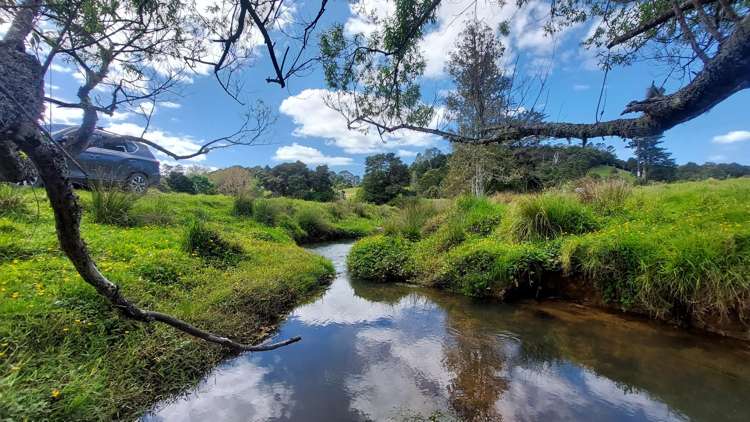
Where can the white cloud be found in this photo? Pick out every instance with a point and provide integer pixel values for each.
(527, 27)
(170, 104)
(732, 137)
(314, 118)
(308, 155)
(59, 68)
(580, 87)
(181, 145)
(405, 153)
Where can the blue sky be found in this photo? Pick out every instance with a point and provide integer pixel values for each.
(307, 130)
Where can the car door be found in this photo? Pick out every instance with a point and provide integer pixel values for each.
(94, 159)
(111, 158)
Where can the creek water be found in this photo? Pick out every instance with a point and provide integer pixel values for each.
(394, 352)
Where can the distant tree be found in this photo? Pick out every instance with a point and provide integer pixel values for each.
(202, 185)
(178, 182)
(236, 180)
(345, 179)
(653, 162)
(428, 172)
(321, 185)
(386, 176)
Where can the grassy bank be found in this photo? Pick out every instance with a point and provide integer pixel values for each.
(66, 355)
(677, 252)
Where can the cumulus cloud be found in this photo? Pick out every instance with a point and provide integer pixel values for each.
(181, 145)
(314, 118)
(170, 104)
(732, 137)
(308, 155)
(405, 153)
(527, 27)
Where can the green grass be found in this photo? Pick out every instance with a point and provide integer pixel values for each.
(65, 354)
(677, 252)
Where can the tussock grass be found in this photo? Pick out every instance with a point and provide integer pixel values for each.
(546, 217)
(112, 205)
(12, 200)
(410, 219)
(65, 354)
(243, 205)
(673, 251)
(607, 197)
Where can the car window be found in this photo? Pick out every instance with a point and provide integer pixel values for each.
(131, 147)
(114, 145)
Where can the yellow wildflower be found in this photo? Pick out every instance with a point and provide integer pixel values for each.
(55, 393)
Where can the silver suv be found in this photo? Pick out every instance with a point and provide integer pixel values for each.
(112, 158)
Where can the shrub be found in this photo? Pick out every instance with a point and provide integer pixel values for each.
(607, 197)
(178, 182)
(12, 200)
(112, 205)
(340, 209)
(547, 216)
(208, 244)
(315, 225)
(243, 205)
(266, 212)
(202, 185)
(380, 258)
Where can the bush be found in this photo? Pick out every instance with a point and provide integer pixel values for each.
(547, 216)
(202, 185)
(242, 206)
(380, 258)
(208, 244)
(607, 197)
(315, 225)
(178, 182)
(112, 205)
(12, 200)
(266, 212)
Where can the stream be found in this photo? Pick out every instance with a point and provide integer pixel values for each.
(394, 352)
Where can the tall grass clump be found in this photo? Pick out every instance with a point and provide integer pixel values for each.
(242, 206)
(153, 210)
(315, 225)
(410, 219)
(380, 258)
(112, 205)
(484, 267)
(607, 196)
(478, 214)
(208, 244)
(267, 212)
(12, 200)
(548, 216)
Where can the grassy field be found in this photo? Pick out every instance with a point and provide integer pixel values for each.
(677, 252)
(66, 355)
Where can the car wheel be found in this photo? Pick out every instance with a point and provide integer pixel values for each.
(137, 183)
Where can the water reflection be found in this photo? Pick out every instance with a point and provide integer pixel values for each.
(385, 352)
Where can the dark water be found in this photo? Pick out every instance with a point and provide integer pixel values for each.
(386, 352)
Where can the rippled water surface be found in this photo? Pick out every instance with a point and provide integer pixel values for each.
(389, 352)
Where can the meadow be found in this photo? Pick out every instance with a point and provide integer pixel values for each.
(232, 266)
(676, 252)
